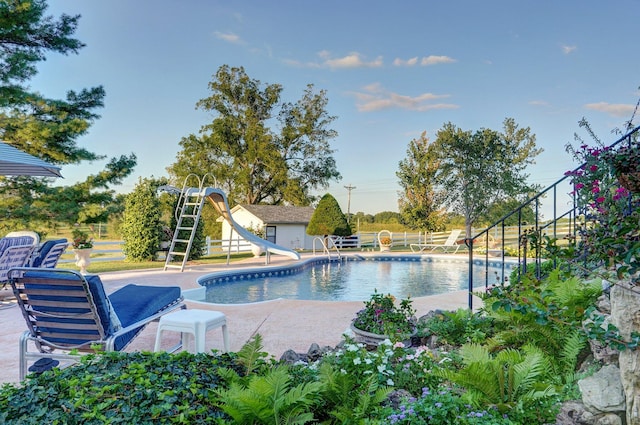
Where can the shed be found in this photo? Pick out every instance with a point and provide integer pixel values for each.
(284, 225)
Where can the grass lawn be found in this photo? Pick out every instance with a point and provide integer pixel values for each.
(97, 267)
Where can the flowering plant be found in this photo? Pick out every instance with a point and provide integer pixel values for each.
(382, 316)
(81, 240)
(385, 240)
(625, 162)
(611, 212)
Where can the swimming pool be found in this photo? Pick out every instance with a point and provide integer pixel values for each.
(352, 280)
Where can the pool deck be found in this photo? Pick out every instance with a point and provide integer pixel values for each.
(283, 324)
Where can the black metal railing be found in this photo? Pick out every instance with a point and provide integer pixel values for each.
(562, 191)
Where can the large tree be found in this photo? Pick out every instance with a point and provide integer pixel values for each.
(47, 128)
(479, 169)
(253, 162)
(420, 203)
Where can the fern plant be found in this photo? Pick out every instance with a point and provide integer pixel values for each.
(349, 399)
(510, 379)
(270, 399)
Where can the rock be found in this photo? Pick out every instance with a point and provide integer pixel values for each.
(396, 397)
(603, 304)
(602, 353)
(290, 357)
(595, 398)
(574, 413)
(609, 419)
(625, 314)
(315, 352)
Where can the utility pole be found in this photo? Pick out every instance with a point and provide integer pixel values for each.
(349, 188)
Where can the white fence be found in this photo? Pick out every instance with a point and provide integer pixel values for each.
(112, 250)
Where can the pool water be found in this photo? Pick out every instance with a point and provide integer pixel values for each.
(352, 281)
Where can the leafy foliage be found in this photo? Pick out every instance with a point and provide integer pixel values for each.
(510, 380)
(119, 388)
(441, 407)
(481, 168)
(420, 204)
(541, 313)
(250, 161)
(48, 128)
(457, 327)
(269, 399)
(142, 228)
(382, 316)
(328, 219)
(609, 235)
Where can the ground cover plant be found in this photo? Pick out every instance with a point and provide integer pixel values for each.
(498, 380)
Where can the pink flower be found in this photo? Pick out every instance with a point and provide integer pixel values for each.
(600, 199)
(593, 168)
(579, 186)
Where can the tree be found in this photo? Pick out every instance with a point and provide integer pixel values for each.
(420, 203)
(387, 217)
(328, 219)
(141, 228)
(251, 162)
(480, 169)
(500, 209)
(47, 128)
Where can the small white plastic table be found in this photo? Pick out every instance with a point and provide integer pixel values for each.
(194, 323)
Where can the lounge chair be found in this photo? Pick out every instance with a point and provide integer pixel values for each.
(65, 311)
(13, 256)
(447, 246)
(48, 253)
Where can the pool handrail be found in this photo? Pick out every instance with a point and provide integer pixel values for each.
(325, 248)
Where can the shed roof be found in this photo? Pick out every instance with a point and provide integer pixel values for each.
(281, 214)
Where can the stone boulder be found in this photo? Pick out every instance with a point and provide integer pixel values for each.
(602, 392)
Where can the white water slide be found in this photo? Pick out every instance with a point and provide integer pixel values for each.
(219, 201)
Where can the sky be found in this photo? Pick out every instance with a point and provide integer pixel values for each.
(391, 70)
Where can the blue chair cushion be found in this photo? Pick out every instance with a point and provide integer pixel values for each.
(133, 303)
(44, 250)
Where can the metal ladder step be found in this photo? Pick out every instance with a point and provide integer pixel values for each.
(177, 253)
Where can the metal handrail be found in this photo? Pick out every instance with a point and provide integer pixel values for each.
(325, 248)
(573, 214)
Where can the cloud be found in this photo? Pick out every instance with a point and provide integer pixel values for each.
(615, 109)
(538, 103)
(425, 61)
(352, 60)
(566, 49)
(374, 98)
(228, 37)
(434, 60)
(408, 62)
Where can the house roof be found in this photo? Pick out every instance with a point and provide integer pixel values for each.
(280, 214)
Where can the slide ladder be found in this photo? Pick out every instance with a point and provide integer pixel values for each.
(187, 213)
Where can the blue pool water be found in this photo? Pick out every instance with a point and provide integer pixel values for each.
(346, 281)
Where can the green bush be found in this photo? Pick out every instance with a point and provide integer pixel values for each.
(141, 228)
(126, 388)
(457, 327)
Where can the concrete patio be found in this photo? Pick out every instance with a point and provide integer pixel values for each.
(283, 324)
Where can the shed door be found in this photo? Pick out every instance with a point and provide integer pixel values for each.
(271, 234)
